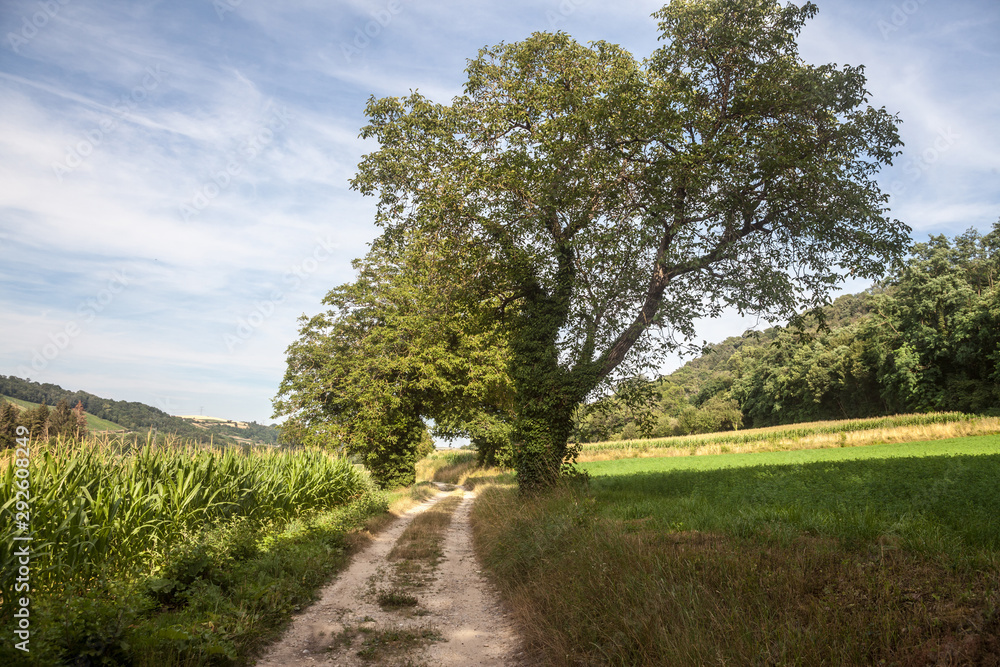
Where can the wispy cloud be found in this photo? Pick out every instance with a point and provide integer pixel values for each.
(82, 84)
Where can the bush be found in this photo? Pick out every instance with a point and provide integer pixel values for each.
(717, 414)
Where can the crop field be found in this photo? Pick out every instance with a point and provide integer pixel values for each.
(885, 554)
(137, 550)
(974, 445)
(812, 435)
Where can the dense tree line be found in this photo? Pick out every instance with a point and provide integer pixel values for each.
(926, 338)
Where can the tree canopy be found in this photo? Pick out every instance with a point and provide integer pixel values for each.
(609, 202)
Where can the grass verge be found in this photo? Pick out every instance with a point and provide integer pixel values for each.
(398, 501)
(422, 538)
(415, 556)
(875, 561)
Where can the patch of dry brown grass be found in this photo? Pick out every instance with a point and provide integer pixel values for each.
(421, 541)
(399, 501)
(448, 467)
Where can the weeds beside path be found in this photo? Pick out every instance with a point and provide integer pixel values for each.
(414, 596)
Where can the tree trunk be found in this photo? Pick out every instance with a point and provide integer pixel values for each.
(546, 393)
(541, 434)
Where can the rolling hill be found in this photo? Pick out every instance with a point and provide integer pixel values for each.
(94, 424)
(105, 414)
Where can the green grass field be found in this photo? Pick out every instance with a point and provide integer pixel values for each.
(940, 496)
(93, 423)
(881, 554)
(903, 428)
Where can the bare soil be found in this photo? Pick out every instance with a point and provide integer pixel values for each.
(457, 619)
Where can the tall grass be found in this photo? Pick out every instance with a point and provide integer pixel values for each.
(112, 508)
(449, 467)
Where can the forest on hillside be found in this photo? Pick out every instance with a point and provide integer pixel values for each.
(131, 415)
(925, 338)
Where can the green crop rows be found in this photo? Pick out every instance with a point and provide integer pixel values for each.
(94, 511)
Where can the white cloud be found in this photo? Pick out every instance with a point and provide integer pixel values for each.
(195, 279)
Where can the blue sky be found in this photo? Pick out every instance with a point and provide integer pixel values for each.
(174, 175)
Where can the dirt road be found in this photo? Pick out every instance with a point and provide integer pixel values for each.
(456, 619)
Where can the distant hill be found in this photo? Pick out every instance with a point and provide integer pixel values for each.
(129, 415)
(709, 374)
(240, 431)
(94, 424)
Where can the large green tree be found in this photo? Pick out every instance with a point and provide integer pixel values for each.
(614, 201)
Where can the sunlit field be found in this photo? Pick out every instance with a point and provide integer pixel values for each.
(812, 435)
(823, 556)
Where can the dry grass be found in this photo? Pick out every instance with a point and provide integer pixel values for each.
(481, 477)
(399, 502)
(743, 442)
(448, 467)
(438, 464)
(421, 541)
(385, 645)
(455, 473)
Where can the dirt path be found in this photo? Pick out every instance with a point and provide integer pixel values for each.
(457, 621)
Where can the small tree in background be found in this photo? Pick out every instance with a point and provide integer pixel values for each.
(81, 421)
(36, 420)
(62, 421)
(718, 413)
(8, 424)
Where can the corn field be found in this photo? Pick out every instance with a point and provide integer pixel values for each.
(111, 508)
(774, 433)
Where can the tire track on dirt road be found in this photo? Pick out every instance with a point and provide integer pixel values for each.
(459, 620)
